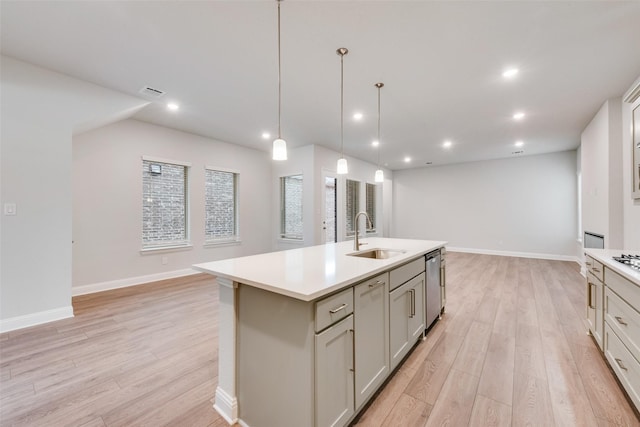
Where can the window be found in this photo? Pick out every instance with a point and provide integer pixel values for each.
(353, 205)
(221, 206)
(164, 204)
(371, 206)
(291, 207)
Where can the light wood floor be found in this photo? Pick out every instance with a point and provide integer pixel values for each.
(510, 350)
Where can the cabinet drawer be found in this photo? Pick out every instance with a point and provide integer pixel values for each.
(406, 272)
(623, 287)
(595, 267)
(623, 363)
(624, 320)
(333, 308)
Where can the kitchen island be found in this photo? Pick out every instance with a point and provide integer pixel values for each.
(306, 336)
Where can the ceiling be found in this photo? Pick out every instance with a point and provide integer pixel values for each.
(441, 63)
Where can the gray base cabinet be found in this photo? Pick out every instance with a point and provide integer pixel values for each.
(622, 331)
(334, 374)
(371, 305)
(406, 317)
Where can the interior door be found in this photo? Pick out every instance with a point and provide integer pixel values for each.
(330, 205)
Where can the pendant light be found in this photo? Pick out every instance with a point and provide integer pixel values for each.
(379, 177)
(279, 144)
(342, 162)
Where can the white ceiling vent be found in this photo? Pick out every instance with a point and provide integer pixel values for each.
(152, 92)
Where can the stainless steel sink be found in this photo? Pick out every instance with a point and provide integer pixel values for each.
(378, 253)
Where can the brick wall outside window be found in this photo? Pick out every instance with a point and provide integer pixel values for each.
(371, 206)
(164, 204)
(291, 207)
(353, 205)
(220, 205)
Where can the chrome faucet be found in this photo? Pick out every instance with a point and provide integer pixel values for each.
(356, 240)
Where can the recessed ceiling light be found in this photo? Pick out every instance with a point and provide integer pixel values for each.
(266, 135)
(173, 106)
(428, 163)
(375, 143)
(519, 143)
(510, 73)
(447, 144)
(358, 116)
(407, 159)
(518, 116)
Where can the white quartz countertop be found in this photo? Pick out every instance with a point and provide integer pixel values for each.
(605, 256)
(312, 272)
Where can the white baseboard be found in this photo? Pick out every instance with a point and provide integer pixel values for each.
(227, 406)
(131, 281)
(515, 254)
(19, 322)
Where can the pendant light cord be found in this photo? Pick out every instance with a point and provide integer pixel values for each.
(379, 143)
(279, 77)
(342, 105)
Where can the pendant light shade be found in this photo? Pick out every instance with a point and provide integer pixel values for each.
(279, 149)
(279, 144)
(379, 177)
(342, 167)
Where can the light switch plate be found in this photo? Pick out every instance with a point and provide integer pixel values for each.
(9, 208)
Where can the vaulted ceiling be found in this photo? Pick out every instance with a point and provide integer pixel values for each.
(441, 63)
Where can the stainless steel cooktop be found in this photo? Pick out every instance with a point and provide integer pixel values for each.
(632, 261)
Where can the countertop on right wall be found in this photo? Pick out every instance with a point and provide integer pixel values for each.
(605, 256)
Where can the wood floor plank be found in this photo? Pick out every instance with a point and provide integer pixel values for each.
(529, 355)
(496, 380)
(455, 402)
(571, 406)
(470, 357)
(384, 402)
(431, 376)
(531, 401)
(408, 412)
(489, 413)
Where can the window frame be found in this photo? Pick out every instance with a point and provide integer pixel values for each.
(176, 244)
(236, 207)
(282, 232)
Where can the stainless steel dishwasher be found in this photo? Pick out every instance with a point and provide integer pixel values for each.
(432, 292)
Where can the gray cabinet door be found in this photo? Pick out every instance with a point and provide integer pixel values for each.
(595, 305)
(371, 336)
(406, 317)
(417, 321)
(334, 374)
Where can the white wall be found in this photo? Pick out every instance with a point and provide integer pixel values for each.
(522, 206)
(631, 207)
(601, 155)
(107, 202)
(40, 109)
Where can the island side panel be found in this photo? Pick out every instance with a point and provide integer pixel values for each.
(275, 359)
(226, 402)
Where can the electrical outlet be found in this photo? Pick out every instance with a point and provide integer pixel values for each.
(165, 260)
(10, 209)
